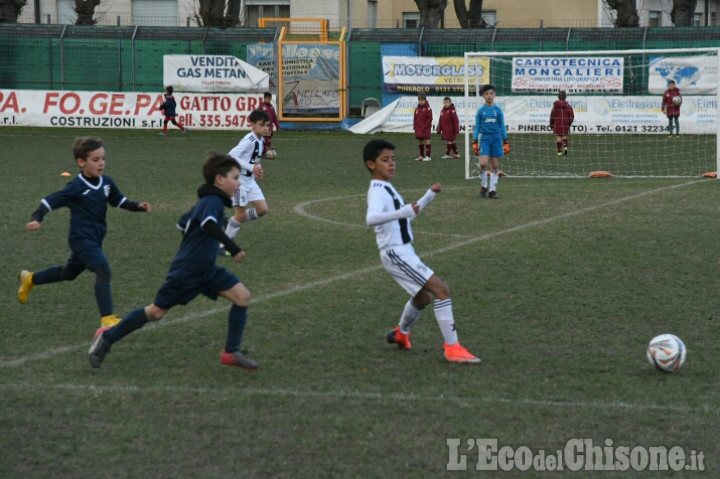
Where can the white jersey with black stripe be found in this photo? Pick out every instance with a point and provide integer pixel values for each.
(247, 153)
(382, 197)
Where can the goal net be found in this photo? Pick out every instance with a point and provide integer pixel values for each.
(617, 97)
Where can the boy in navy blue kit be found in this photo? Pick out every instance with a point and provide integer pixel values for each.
(168, 109)
(87, 196)
(193, 270)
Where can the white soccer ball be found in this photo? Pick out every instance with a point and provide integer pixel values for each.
(677, 100)
(271, 153)
(666, 352)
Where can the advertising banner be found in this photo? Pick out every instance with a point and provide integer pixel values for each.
(531, 114)
(212, 73)
(311, 80)
(432, 74)
(693, 75)
(572, 74)
(124, 110)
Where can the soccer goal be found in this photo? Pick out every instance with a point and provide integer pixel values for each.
(617, 98)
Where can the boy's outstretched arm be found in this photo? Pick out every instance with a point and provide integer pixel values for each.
(37, 217)
(428, 196)
(135, 206)
(216, 233)
(375, 218)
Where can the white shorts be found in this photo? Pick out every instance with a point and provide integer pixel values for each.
(247, 194)
(406, 268)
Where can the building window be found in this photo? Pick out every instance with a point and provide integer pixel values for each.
(713, 18)
(696, 20)
(490, 17)
(259, 9)
(372, 14)
(411, 19)
(654, 19)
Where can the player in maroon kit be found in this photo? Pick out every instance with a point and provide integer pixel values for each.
(268, 107)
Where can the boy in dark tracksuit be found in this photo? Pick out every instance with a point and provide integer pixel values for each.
(168, 109)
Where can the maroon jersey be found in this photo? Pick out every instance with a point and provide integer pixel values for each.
(668, 106)
(422, 124)
(267, 107)
(561, 117)
(448, 124)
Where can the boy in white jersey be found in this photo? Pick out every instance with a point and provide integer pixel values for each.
(248, 154)
(391, 217)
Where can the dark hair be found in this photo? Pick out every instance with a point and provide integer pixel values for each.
(84, 145)
(258, 115)
(422, 96)
(373, 148)
(267, 94)
(169, 89)
(671, 81)
(562, 95)
(217, 164)
(487, 87)
(448, 99)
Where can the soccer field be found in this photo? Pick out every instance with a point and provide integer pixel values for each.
(558, 286)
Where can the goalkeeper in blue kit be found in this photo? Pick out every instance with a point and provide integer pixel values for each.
(492, 135)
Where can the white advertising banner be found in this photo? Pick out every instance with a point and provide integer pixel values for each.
(432, 74)
(212, 73)
(572, 74)
(124, 109)
(693, 75)
(531, 114)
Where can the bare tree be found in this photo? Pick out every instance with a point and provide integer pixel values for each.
(220, 13)
(431, 12)
(469, 17)
(85, 10)
(683, 12)
(626, 12)
(10, 10)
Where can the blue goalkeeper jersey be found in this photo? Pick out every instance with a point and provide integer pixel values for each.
(489, 120)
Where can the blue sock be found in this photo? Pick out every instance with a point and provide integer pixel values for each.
(236, 324)
(135, 320)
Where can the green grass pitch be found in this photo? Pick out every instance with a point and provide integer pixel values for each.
(558, 286)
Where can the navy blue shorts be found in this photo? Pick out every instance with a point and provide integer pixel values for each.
(181, 288)
(91, 258)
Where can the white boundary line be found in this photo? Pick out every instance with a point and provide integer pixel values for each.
(359, 272)
(352, 394)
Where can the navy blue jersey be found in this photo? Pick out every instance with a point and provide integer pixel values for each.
(489, 120)
(198, 249)
(88, 209)
(169, 106)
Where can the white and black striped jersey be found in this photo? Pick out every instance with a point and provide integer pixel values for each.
(247, 153)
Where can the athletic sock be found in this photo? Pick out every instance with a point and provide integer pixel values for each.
(250, 215)
(559, 146)
(493, 180)
(134, 320)
(422, 150)
(236, 325)
(444, 317)
(483, 177)
(410, 315)
(232, 228)
(427, 150)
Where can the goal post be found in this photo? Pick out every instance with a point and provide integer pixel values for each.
(617, 98)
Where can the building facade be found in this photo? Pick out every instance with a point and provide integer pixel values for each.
(369, 13)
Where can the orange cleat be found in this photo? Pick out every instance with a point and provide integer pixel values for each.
(397, 337)
(458, 354)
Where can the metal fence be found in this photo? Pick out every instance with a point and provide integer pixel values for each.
(112, 58)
